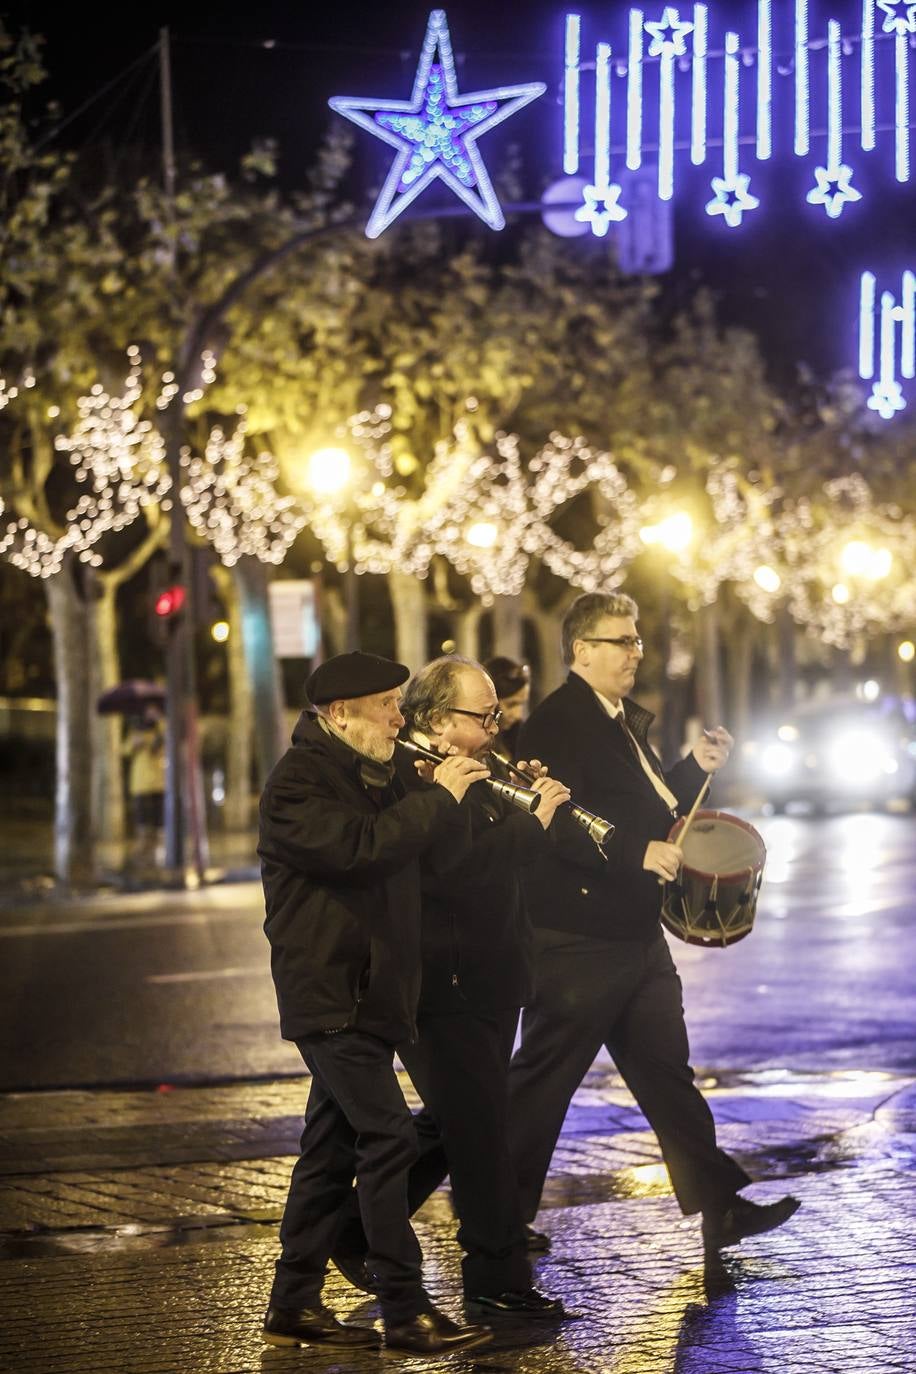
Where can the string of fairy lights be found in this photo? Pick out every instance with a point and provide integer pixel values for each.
(841, 564)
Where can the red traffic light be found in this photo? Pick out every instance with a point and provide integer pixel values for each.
(170, 601)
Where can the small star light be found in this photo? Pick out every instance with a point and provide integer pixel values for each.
(731, 198)
(436, 132)
(668, 34)
(601, 208)
(886, 398)
(900, 16)
(833, 189)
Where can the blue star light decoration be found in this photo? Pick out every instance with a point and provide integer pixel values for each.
(601, 208)
(731, 199)
(435, 132)
(899, 16)
(833, 190)
(886, 398)
(668, 34)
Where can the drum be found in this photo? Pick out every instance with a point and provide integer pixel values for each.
(714, 900)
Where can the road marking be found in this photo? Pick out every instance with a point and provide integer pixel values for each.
(256, 971)
(127, 923)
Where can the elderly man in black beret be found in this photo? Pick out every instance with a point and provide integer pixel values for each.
(340, 843)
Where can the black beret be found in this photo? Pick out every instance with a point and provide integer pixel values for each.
(353, 675)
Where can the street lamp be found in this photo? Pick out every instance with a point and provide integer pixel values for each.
(329, 474)
(674, 533)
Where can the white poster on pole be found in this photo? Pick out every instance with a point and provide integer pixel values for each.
(294, 618)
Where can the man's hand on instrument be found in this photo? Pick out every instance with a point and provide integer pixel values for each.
(457, 772)
(662, 858)
(713, 748)
(553, 795)
(534, 769)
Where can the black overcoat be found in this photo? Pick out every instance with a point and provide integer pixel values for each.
(570, 888)
(477, 938)
(342, 889)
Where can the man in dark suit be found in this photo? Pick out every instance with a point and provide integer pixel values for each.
(604, 974)
(340, 843)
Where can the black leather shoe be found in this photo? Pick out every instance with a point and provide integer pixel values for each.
(431, 1332)
(536, 1241)
(352, 1264)
(316, 1326)
(528, 1303)
(743, 1218)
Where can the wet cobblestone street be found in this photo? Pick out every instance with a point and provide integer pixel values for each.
(138, 1226)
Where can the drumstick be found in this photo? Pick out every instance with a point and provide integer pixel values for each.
(679, 842)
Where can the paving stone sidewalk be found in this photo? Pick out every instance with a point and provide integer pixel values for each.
(138, 1233)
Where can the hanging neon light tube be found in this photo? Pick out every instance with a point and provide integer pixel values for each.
(802, 87)
(730, 131)
(699, 85)
(602, 114)
(666, 125)
(868, 75)
(902, 117)
(834, 96)
(634, 92)
(764, 80)
(867, 326)
(571, 95)
(908, 327)
(887, 377)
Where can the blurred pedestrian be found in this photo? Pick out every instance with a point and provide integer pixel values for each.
(145, 750)
(512, 681)
(339, 847)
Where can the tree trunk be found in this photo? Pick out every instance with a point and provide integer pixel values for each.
(786, 666)
(73, 859)
(507, 627)
(108, 812)
(709, 675)
(408, 601)
(263, 673)
(740, 662)
(237, 752)
(333, 622)
(467, 631)
(552, 671)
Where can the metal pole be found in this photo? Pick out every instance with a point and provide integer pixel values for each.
(165, 108)
(351, 592)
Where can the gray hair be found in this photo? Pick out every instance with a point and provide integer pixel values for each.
(431, 691)
(585, 613)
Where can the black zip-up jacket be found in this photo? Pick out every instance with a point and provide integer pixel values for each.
(571, 888)
(476, 935)
(342, 889)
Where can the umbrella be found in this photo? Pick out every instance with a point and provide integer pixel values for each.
(131, 698)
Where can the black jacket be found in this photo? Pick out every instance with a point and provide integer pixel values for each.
(476, 936)
(342, 889)
(571, 888)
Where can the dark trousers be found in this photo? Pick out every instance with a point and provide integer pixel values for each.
(459, 1066)
(626, 996)
(357, 1124)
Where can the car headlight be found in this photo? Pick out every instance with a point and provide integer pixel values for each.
(778, 760)
(859, 756)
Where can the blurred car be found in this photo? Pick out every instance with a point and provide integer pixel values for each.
(835, 753)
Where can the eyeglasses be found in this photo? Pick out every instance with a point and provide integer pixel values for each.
(622, 641)
(486, 718)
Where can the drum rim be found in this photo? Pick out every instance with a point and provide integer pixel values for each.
(734, 820)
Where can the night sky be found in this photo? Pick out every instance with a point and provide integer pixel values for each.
(788, 272)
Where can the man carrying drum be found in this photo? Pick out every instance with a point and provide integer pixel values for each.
(603, 973)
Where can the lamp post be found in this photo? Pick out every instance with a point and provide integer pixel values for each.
(673, 534)
(329, 474)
